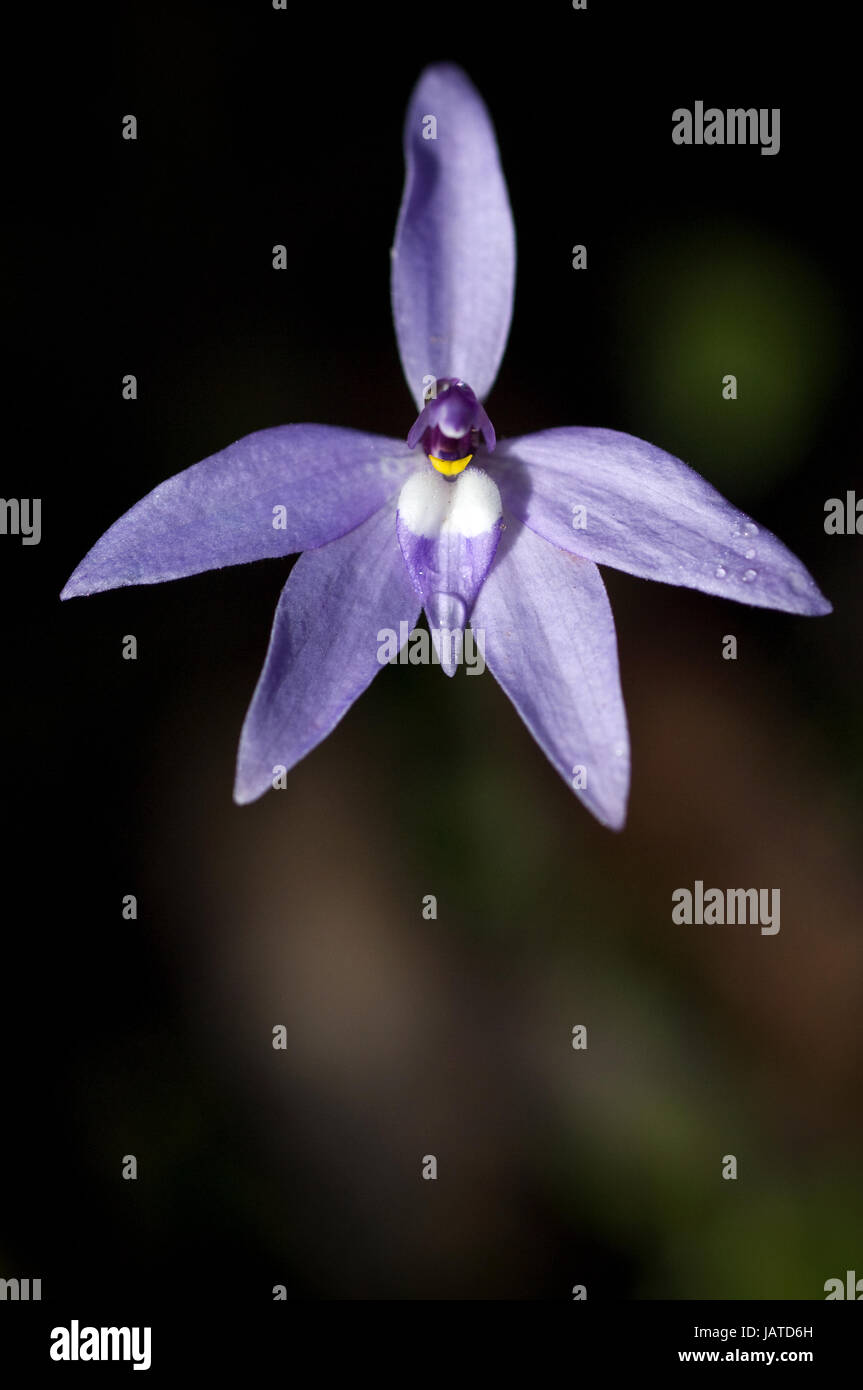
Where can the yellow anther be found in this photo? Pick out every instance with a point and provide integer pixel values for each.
(449, 467)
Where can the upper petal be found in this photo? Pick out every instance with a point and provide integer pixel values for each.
(272, 493)
(551, 643)
(453, 261)
(324, 647)
(621, 501)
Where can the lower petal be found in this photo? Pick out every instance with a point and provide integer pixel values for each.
(550, 641)
(324, 648)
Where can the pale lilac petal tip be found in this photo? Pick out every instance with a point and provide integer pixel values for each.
(324, 648)
(272, 493)
(453, 259)
(620, 501)
(550, 641)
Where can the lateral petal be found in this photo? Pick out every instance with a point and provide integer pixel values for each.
(620, 501)
(272, 493)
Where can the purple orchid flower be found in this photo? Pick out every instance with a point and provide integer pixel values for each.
(388, 528)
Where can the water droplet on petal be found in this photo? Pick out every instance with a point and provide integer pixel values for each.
(750, 529)
(619, 750)
(721, 571)
(749, 575)
(750, 554)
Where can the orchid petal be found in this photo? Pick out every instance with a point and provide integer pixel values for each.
(448, 533)
(620, 501)
(272, 493)
(550, 641)
(324, 647)
(453, 261)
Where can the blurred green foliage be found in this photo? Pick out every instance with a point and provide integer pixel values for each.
(717, 300)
